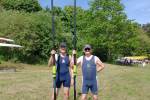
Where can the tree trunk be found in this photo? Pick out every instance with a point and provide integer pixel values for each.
(108, 55)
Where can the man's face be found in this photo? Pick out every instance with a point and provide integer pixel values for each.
(87, 51)
(62, 49)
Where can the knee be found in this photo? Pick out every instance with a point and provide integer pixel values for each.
(95, 98)
(52, 98)
(83, 98)
(66, 95)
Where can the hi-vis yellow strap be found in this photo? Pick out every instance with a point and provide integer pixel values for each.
(75, 70)
(54, 71)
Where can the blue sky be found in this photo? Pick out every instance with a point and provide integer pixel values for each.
(135, 9)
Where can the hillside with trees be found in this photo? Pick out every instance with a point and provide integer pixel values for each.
(104, 26)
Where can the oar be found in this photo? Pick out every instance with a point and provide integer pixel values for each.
(54, 67)
(9, 45)
(4, 39)
(75, 68)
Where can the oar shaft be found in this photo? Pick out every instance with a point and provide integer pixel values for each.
(75, 69)
(54, 67)
(53, 25)
(74, 24)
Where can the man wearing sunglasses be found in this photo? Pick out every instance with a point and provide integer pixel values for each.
(63, 61)
(88, 63)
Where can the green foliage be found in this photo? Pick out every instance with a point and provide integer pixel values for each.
(148, 31)
(1, 7)
(144, 44)
(22, 5)
(56, 10)
(107, 28)
(148, 56)
(15, 59)
(67, 15)
(33, 32)
(104, 26)
(113, 58)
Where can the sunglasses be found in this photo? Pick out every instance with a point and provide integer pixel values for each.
(87, 49)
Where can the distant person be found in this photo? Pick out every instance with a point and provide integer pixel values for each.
(88, 63)
(143, 62)
(131, 62)
(146, 61)
(126, 62)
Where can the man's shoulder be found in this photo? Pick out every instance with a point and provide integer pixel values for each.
(69, 56)
(80, 58)
(56, 54)
(96, 58)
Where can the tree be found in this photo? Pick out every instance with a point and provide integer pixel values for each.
(67, 15)
(33, 31)
(56, 10)
(107, 29)
(144, 44)
(22, 5)
(148, 29)
(1, 7)
(144, 26)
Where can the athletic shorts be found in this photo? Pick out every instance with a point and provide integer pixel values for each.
(92, 84)
(65, 79)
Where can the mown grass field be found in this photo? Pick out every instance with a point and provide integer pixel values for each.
(35, 83)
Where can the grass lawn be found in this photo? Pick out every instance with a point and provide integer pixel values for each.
(35, 83)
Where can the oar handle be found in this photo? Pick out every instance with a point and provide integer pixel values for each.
(54, 67)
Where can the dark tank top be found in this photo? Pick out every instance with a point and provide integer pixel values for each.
(89, 70)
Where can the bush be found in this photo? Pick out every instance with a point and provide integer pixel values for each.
(22, 5)
(148, 55)
(113, 58)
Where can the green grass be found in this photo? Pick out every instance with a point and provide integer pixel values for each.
(35, 83)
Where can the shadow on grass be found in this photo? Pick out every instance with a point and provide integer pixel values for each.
(10, 68)
(79, 95)
(133, 66)
(121, 64)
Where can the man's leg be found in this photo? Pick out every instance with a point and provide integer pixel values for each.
(57, 91)
(84, 96)
(94, 88)
(66, 85)
(85, 89)
(66, 93)
(94, 96)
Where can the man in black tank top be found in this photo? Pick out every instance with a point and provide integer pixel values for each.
(88, 63)
(63, 61)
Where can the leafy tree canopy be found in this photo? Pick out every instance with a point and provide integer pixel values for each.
(22, 5)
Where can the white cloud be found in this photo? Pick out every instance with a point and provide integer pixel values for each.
(142, 9)
(135, 5)
(148, 10)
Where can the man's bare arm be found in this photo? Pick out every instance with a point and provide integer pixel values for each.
(72, 59)
(71, 65)
(50, 62)
(100, 64)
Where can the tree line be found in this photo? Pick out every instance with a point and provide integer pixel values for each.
(104, 26)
